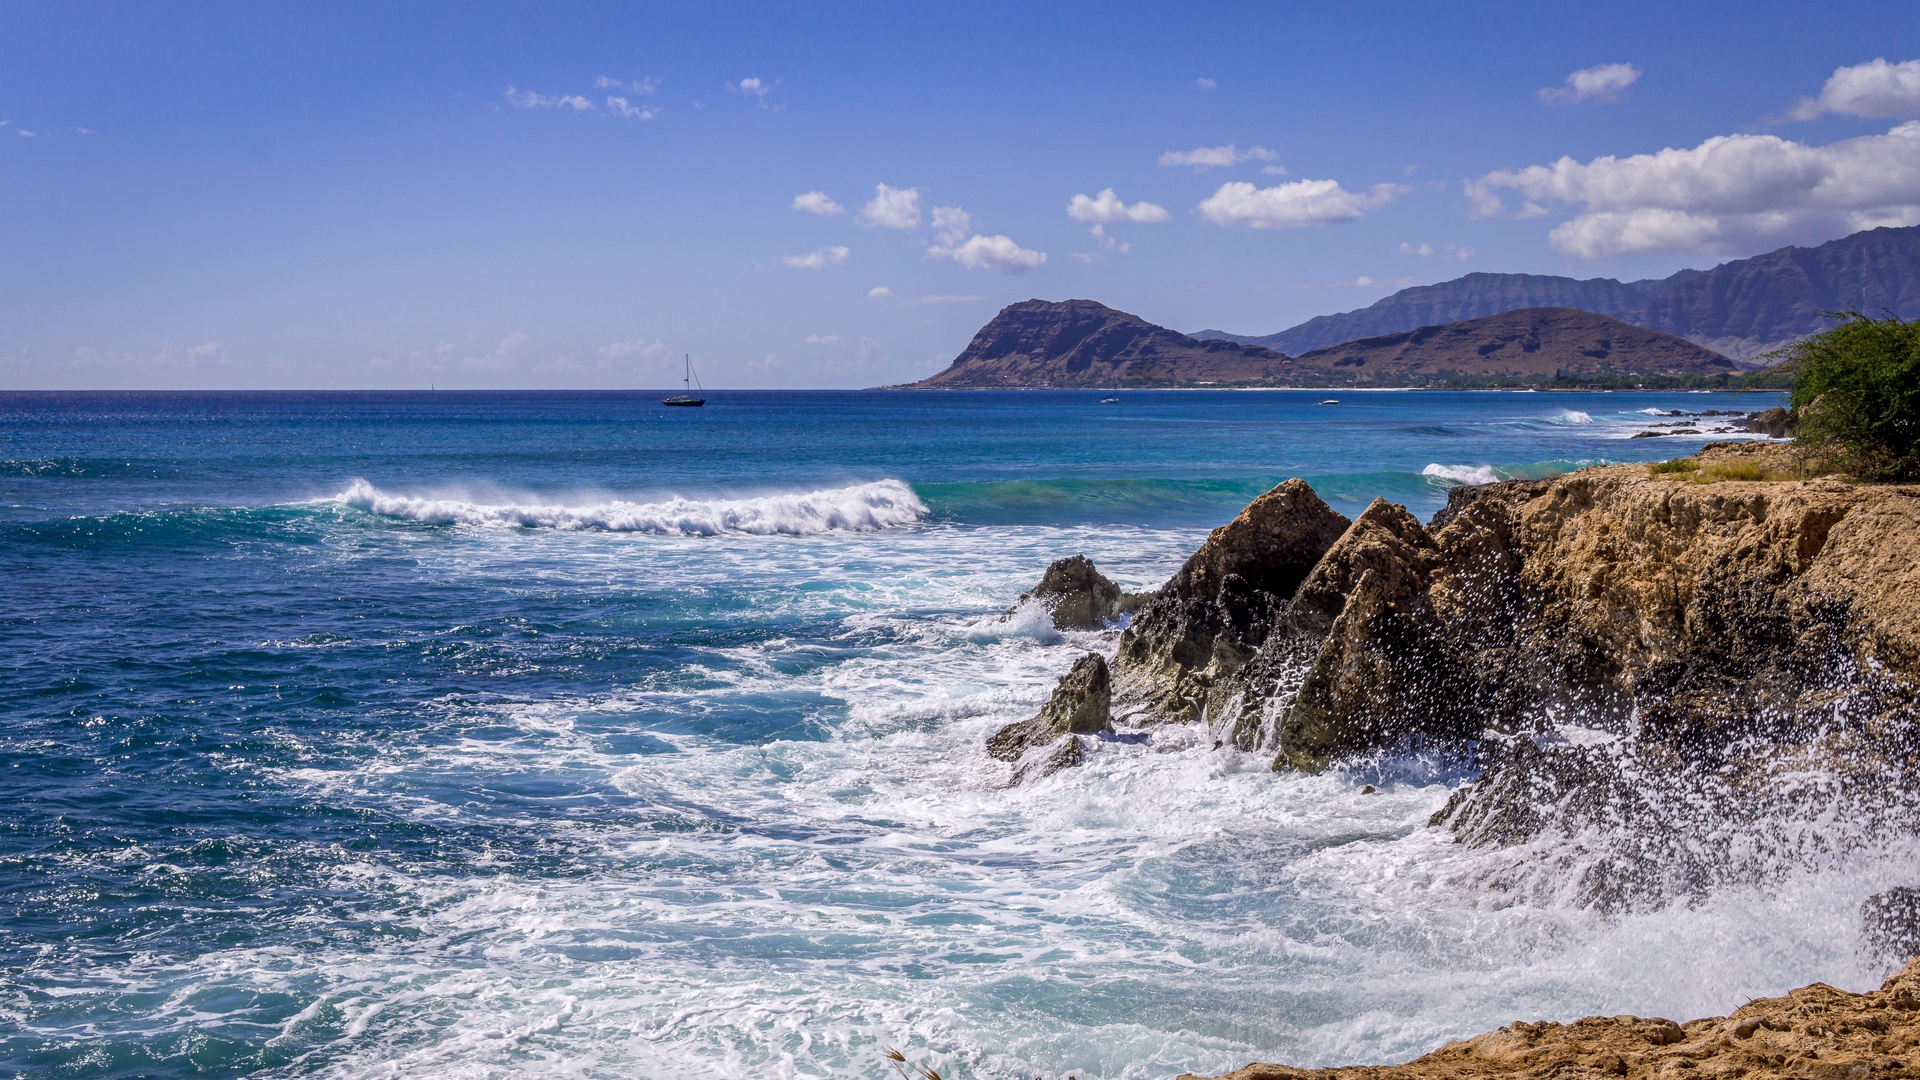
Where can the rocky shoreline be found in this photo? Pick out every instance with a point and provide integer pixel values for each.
(1815, 1031)
(1659, 675)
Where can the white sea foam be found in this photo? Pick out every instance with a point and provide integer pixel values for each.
(1460, 474)
(1572, 416)
(784, 907)
(882, 504)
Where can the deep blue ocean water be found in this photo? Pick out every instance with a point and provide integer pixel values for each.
(563, 734)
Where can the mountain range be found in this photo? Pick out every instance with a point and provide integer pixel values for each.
(1741, 309)
(1081, 343)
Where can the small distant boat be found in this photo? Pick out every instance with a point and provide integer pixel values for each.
(1329, 401)
(686, 399)
(1108, 400)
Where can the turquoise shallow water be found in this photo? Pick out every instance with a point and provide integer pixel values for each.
(562, 734)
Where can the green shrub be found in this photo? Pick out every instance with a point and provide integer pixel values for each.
(1856, 390)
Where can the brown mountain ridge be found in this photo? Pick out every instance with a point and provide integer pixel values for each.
(1085, 344)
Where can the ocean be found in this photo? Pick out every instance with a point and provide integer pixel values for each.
(561, 734)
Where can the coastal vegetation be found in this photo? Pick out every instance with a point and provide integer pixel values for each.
(1856, 389)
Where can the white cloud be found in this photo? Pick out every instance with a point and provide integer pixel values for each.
(1106, 206)
(1731, 194)
(527, 99)
(993, 253)
(893, 208)
(620, 107)
(818, 259)
(1601, 82)
(25, 134)
(1444, 251)
(1286, 206)
(1205, 84)
(1216, 157)
(755, 88)
(1105, 243)
(823, 339)
(950, 224)
(879, 292)
(817, 202)
(1875, 88)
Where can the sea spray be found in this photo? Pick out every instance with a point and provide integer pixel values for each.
(883, 504)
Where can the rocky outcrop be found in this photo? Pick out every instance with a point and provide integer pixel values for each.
(1177, 659)
(1040, 343)
(1546, 344)
(1742, 309)
(1815, 1031)
(1472, 296)
(1077, 596)
(1655, 656)
(1081, 705)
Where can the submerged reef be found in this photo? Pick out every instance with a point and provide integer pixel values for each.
(1815, 1031)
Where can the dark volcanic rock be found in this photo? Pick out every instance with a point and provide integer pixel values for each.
(1081, 705)
(1529, 344)
(1471, 297)
(1742, 309)
(1076, 594)
(1775, 422)
(1746, 307)
(1082, 343)
(1218, 610)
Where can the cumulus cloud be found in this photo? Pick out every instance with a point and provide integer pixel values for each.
(996, 253)
(1601, 82)
(527, 99)
(1729, 195)
(1875, 88)
(879, 292)
(1287, 206)
(1107, 206)
(1216, 157)
(755, 88)
(893, 208)
(621, 107)
(818, 259)
(823, 339)
(951, 225)
(817, 202)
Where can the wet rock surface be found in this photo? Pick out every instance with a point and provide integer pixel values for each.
(1078, 596)
(1220, 608)
(1815, 1031)
(1081, 705)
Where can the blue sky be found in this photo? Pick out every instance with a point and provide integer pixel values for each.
(551, 195)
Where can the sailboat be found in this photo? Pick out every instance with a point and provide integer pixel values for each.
(687, 399)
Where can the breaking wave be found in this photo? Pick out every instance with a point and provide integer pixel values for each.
(882, 504)
(1461, 474)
